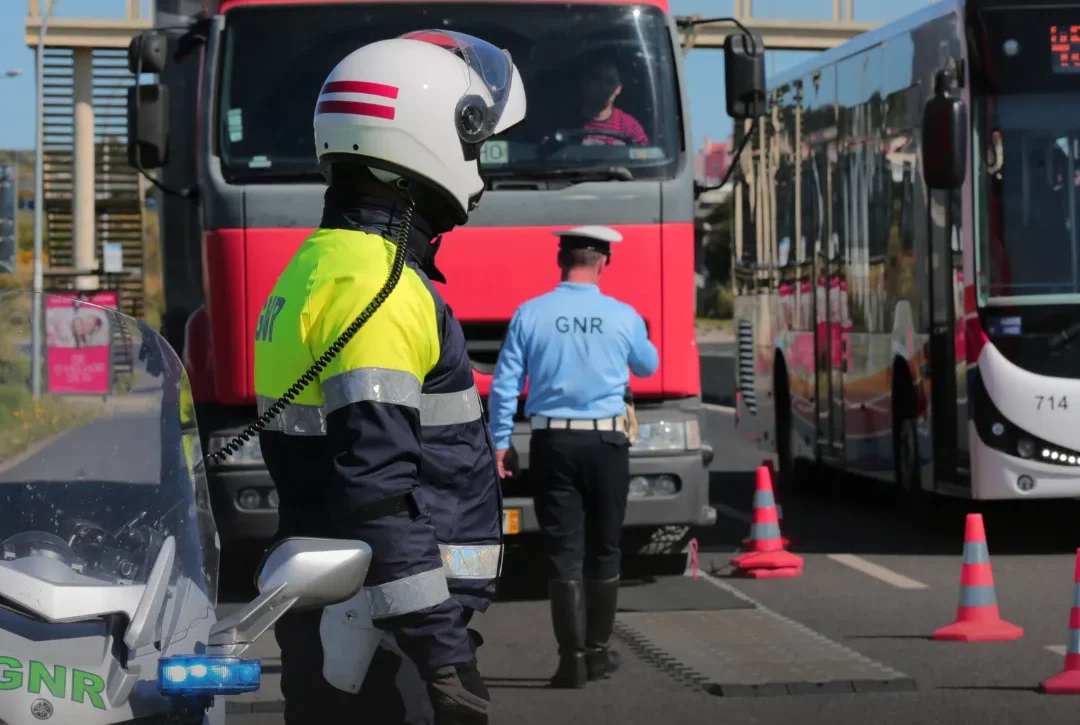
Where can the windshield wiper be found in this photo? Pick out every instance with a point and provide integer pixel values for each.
(1064, 337)
(274, 175)
(596, 173)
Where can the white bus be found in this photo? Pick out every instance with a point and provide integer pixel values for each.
(907, 244)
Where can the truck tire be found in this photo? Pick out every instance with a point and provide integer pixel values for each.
(656, 541)
(658, 551)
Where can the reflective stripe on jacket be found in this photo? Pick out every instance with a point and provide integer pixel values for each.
(394, 417)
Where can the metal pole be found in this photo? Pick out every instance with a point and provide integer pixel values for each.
(38, 318)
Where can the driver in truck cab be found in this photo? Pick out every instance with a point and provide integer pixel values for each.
(600, 86)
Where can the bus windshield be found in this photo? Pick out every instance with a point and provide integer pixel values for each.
(573, 59)
(1027, 116)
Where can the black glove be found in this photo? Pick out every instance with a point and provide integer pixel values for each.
(459, 696)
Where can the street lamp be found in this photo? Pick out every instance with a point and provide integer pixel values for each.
(38, 321)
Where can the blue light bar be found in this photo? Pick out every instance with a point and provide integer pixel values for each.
(193, 675)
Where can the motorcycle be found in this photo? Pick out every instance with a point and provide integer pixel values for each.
(108, 549)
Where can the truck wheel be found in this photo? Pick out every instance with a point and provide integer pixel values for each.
(657, 541)
(658, 551)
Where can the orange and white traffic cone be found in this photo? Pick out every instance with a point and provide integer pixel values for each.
(767, 558)
(1067, 682)
(977, 617)
(779, 509)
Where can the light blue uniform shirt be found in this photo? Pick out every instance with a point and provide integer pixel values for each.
(574, 345)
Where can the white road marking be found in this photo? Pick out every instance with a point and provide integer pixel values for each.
(877, 571)
(1058, 649)
(733, 513)
(718, 408)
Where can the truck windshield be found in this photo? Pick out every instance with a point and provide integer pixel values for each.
(1026, 94)
(572, 59)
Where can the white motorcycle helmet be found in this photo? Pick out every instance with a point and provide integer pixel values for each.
(420, 107)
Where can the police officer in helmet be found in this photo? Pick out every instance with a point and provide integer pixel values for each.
(373, 448)
(576, 347)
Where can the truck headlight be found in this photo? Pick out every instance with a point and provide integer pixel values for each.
(250, 454)
(683, 435)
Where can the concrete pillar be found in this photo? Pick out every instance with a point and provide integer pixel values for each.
(836, 11)
(850, 10)
(82, 201)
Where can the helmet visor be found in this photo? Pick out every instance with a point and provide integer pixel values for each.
(481, 109)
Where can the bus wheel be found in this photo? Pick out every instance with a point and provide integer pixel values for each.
(906, 458)
(792, 475)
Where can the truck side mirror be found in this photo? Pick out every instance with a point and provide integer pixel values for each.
(147, 53)
(944, 142)
(744, 76)
(148, 126)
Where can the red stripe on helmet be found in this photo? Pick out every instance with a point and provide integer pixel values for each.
(366, 87)
(356, 108)
(434, 37)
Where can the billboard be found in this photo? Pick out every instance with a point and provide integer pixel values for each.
(78, 341)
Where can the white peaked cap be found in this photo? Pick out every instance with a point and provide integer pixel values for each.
(595, 232)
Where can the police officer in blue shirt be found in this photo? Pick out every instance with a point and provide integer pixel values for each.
(575, 346)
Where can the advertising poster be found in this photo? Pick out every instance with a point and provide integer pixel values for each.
(78, 341)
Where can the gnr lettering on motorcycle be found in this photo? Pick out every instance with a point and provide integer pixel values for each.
(79, 687)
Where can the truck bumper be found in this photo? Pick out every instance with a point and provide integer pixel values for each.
(245, 505)
(688, 506)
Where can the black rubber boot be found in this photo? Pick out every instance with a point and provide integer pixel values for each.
(568, 620)
(601, 602)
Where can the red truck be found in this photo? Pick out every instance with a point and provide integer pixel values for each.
(229, 125)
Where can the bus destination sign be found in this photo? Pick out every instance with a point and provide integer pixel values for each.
(1065, 48)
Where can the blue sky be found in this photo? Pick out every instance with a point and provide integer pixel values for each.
(704, 67)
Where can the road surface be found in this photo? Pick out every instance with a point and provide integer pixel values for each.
(874, 585)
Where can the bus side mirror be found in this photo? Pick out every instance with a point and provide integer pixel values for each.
(944, 143)
(148, 126)
(744, 76)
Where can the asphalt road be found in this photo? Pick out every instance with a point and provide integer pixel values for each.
(874, 582)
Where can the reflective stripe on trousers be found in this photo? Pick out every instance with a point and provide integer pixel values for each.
(429, 588)
(377, 385)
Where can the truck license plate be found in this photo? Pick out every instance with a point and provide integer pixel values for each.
(511, 521)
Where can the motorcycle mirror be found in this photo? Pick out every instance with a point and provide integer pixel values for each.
(317, 572)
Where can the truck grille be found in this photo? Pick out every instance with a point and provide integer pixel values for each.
(483, 340)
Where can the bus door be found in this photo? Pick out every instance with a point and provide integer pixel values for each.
(837, 342)
(835, 309)
(942, 347)
(821, 275)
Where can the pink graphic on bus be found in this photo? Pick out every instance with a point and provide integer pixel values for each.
(77, 338)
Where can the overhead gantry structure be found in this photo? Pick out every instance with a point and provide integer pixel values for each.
(92, 196)
(778, 34)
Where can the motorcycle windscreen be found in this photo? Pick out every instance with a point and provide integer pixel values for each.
(101, 468)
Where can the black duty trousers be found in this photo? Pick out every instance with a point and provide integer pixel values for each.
(393, 692)
(581, 479)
